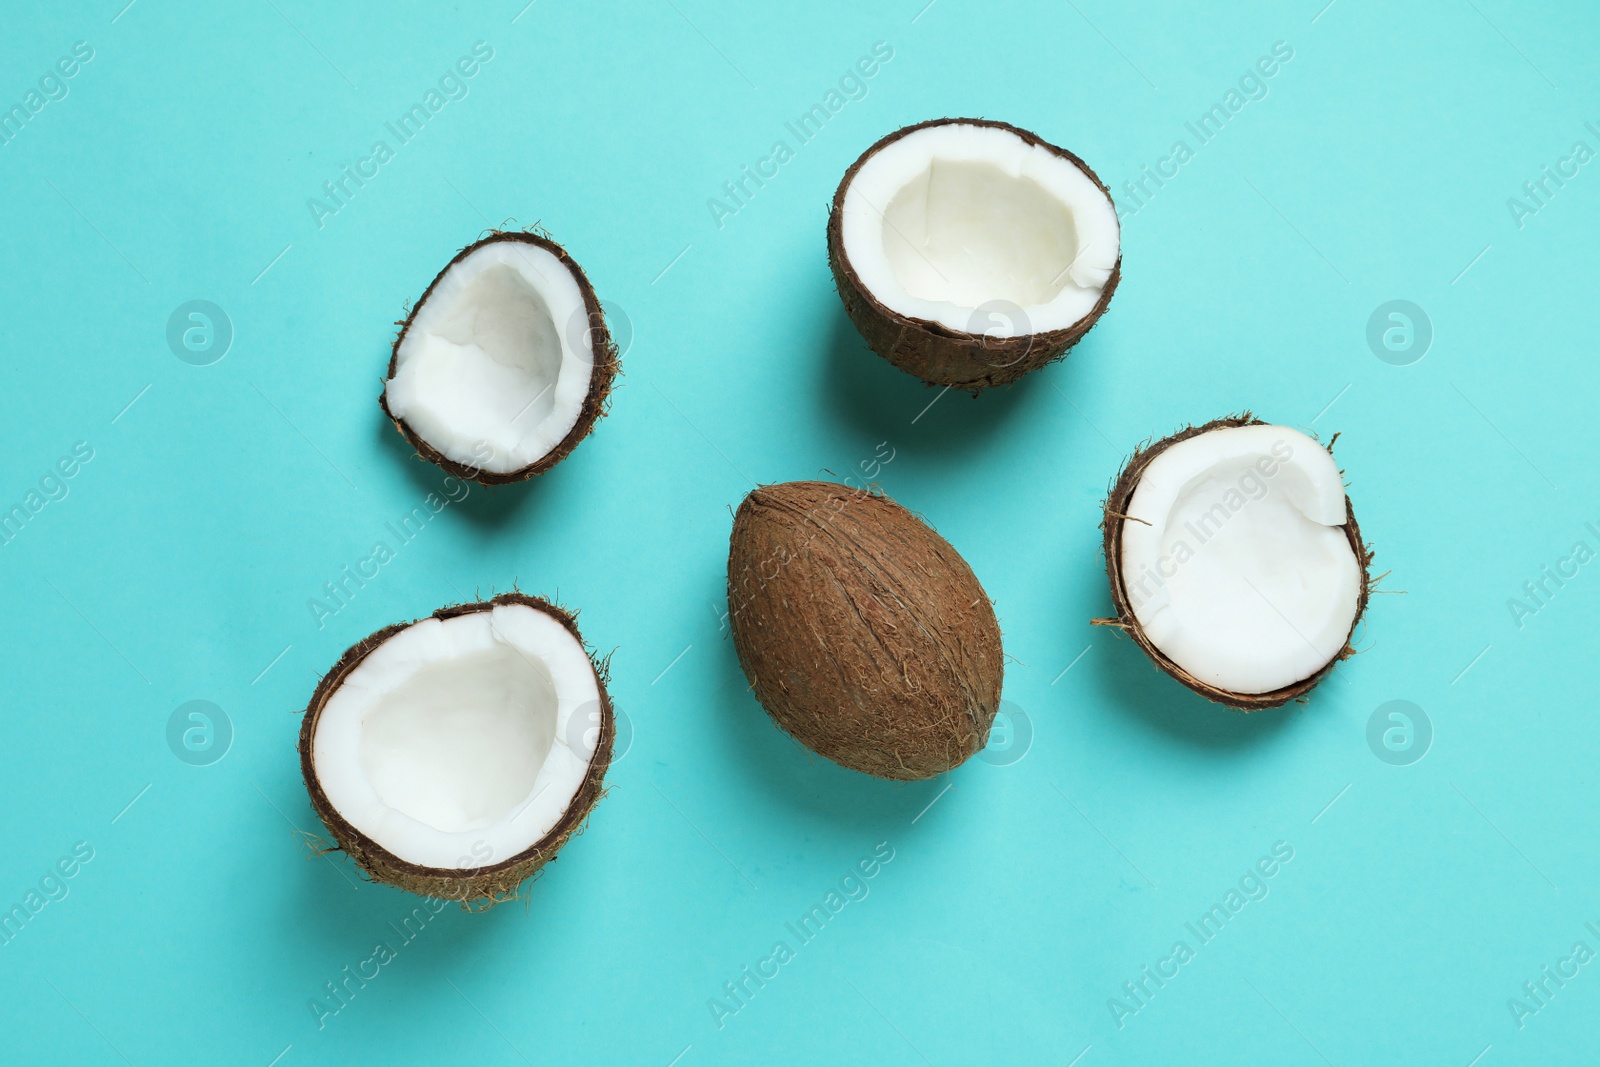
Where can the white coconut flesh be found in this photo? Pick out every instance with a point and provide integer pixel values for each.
(976, 229)
(455, 739)
(495, 366)
(1235, 559)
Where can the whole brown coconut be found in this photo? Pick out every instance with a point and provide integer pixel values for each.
(585, 331)
(496, 881)
(1114, 521)
(862, 632)
(972, 354)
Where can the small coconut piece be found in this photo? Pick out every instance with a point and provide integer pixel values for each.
(504, 364)
(862, 632)
(969, 252)
(1235, 561)
(453, 756)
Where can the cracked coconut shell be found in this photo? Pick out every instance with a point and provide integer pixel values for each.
(587, 342)
(973, 357)
(473, 887)
(1112, 525)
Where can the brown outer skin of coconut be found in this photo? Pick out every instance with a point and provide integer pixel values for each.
(481, 886)
(606, 366)
(929, 350)
(1111, 526)
(863, 633)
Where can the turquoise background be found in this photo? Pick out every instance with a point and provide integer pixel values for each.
(1023, 892)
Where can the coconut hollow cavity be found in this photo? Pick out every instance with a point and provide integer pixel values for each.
(1235, 561)
(505, 363)
(969, 252)
(863, 633)
(453, 756)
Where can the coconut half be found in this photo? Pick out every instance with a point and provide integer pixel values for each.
(453, 756)
(504, 364)
(1235, 561)
(969, 252)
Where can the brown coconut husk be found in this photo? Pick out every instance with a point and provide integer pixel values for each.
(607, 365)
(863, 633)
(1111, 526)
(929, 350)
(475, 887)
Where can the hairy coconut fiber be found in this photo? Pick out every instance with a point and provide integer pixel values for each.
(862, 632)
(473, 887)
(1111, 526)
(606, 367)
(930, 350)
